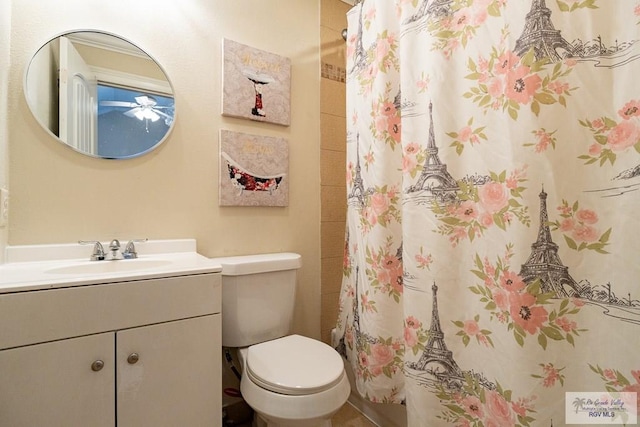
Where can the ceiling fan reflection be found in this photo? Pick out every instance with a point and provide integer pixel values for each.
(145, 108)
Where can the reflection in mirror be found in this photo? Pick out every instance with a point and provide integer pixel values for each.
(100, 95)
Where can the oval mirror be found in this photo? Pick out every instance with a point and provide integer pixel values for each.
(100, 94)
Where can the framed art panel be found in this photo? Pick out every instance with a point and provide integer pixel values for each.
(256, 85)
(253, 170)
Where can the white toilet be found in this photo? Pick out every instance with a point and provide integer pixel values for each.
(288, 380)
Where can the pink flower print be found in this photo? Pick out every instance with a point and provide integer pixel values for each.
(498, 410)
(380, 123)
(598, 124)
(566, 324)
(585, 233)
(471, 327)
(388, 108)
(565, 210)
(408, 163)
(382, 48)
(391, 262)
(480, 16)
(413, 323)
(463, 423)
(610, 374)
(488, 267)
(483, 69)
(558, 87)
(473, 406)
(363, 359)
(567, 225)
(458, 233)
(391, 192)
(368, 158)
(393, 127)
(381, 354)
(521, 86)
(461, 19)
(423, 261)
(465, 133)
(630, 109)
(410, 337)
(595, 149)
(467, 211)
(379, 203)
(587, 216)
(493, 197)
(506, 62)
(411, 148)
(636, 375)
(370, 217)
(370, 14)
(495, 87)
(577, 302)
(511, 281)
(486, 220)
(482, 339)
(623, 136)
(502, 318)
(636, 10)
(501, 298)
(525, 313)
(552, 375)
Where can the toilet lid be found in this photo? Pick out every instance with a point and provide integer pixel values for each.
(294, 365)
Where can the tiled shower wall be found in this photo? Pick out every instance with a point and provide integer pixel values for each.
(332, 159)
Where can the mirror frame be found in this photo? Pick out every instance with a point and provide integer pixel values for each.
(129, 49)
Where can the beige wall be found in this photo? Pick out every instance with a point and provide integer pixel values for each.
(5, 26)
(333, 157)
(59, 196)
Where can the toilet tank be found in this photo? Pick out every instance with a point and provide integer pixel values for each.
(258, 297)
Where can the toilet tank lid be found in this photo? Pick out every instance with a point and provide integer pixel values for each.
(259, 263)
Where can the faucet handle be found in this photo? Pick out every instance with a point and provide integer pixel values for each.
(130, 248)
(98, 249)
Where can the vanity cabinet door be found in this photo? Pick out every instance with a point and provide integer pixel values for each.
(169, 374)
(61, 383)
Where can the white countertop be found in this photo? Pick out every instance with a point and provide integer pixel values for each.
(37, 267)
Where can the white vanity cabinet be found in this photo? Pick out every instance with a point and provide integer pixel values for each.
(132, 353)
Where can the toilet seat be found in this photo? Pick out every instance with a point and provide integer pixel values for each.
(294, 365)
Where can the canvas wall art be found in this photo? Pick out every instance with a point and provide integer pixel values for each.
(253, 170)
(256, 85)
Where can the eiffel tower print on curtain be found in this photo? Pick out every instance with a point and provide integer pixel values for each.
(431, 8)
(540, 35)
(544, 264)
(437, 360)
(434, 176)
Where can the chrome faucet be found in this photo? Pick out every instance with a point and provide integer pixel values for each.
(98, 249)
(130, 248)
(114, 247)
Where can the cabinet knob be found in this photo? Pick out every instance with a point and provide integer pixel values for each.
(97, 365)
(133, 358)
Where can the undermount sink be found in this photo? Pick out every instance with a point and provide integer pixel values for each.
(102, 267)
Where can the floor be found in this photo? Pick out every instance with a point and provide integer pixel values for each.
(348, 416)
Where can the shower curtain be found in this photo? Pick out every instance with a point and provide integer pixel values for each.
(490, 270)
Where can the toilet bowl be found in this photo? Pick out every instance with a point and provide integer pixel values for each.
(293, 381)
(288, 380)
